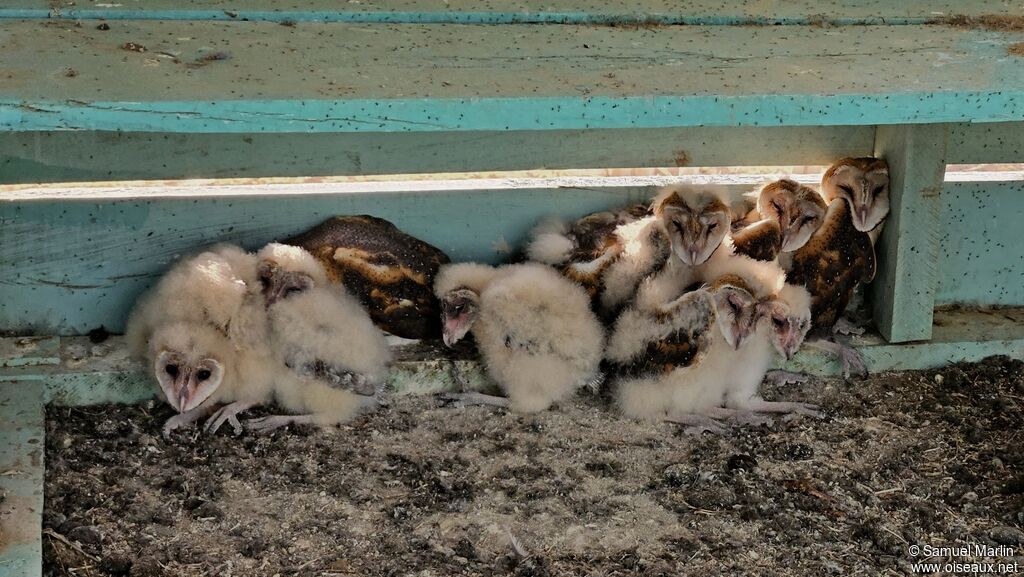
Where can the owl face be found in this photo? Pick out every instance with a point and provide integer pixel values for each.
(864, 184)
(696, 224)
(737, 314)
(459, 310)
(189, 364)
(798, 209)
(278, 284)
(788, 327)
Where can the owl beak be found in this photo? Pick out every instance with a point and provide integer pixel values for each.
(862, 214)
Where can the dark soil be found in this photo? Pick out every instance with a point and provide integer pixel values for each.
(423, 489)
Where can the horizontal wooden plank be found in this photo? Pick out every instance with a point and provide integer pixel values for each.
(700, 12)
(21, 482)
(30, 157)
(68, 267)
(106, 375)
(260, 77)
(986, 143)
(981, 257)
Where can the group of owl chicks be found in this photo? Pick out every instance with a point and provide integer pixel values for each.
(678, 307)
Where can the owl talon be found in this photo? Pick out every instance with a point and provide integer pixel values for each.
(780, 378)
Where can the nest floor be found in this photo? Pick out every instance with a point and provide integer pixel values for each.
(421, 488)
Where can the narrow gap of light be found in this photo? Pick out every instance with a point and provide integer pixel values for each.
(425, 183)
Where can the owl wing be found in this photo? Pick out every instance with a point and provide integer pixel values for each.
(337, 377)
(659, 343)
(389, 271)
(834, 261)
(760, 241)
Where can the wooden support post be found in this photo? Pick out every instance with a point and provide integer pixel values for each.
(903, 291)
(21, 478)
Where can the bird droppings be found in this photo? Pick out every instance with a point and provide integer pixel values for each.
(423, 489)
(209, 58)
(133, 47)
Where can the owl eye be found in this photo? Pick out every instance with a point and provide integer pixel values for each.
(203, 374)
(779, 322)
(293, 290)
(846, 188)
(808, 219)
(171, 370)
(712, 226)
(878, 190)
(459, 308)
(777, 206)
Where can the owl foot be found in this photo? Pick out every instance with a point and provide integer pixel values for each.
(780, 377)
(228, 413)
(182, 420)
(852, 359)
(267, 424)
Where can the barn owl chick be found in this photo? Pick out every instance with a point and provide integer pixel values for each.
(834, 261)
(535, 330)
(783, 323)
(211, 299)
(606, 252)
(790, 212)
(199, 367)
(864, 184)
(664, 362)
(336, 356)
(390, 272)
(696, 220)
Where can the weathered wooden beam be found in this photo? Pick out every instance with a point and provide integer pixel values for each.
(93, 374)
(30, 157)
(648, 12)
(21, 478)
(71, 264)
(981, 257)
(904, 286)
(241, 77)
(1001, 142)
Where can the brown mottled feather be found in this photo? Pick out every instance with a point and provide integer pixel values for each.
(760, 241)
(684, 347)
(597, 247)
(390, 272)
(834, 261)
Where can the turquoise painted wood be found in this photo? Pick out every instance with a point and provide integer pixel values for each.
(21, 478)
(986, 143)
(981, 260)
(70, 266)
(29, 157)
(444, 78)
(904, 287)
(93, 374)
(703, 12)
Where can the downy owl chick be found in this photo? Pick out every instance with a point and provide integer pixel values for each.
(790, 212)
(324, 336)
(535, 330)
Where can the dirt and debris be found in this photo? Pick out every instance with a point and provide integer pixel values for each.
(419, 488)
(993, 22)
(209, 58)
(133, 47)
